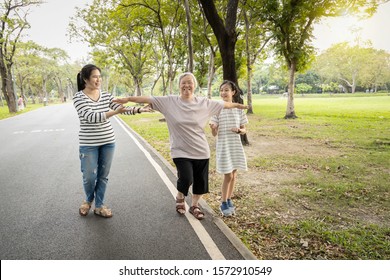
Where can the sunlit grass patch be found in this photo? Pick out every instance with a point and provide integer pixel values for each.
(4, 111)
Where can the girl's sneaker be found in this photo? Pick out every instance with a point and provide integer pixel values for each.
(231, 206)
(225, 210)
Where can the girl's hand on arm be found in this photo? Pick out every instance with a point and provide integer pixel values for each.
(214, 129)
(118, 110)
(147, 108)
(240, 130)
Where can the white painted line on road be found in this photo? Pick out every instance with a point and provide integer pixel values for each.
(39, 130)
(203, 235)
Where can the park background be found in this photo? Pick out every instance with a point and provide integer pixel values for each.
(317, 185)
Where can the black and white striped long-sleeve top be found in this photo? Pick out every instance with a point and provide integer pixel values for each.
(95, 127)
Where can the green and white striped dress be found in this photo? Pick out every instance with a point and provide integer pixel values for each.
(229, 150)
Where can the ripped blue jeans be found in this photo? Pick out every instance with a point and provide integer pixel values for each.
(95, 166)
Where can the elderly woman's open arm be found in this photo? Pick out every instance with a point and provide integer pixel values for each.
(228, 105)
(135, 99)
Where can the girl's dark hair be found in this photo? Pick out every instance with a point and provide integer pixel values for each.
(237, 91)
(84, 74)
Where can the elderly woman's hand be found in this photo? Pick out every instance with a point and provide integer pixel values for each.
(120, 100)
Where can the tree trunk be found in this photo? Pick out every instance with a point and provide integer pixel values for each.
(248, 65)
(155, 80)
(353, 86)
(60, 90)
(170, 76)
(226, 35)
(138, 89)
(164, 82)
(211, 73)
(44, 91)
(113, 92)
(290, 112)
(227, 47)
(170, 85)
(8, 88)
(3, 75)
(190, 64)
(249, 86)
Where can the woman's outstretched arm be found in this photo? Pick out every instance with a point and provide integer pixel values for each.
(229, 105)
(135, 99)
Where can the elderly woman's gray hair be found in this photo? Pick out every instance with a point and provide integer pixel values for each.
(188, 74)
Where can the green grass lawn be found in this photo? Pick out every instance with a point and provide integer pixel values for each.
(4, 112)
(361, 124)
(332, 202)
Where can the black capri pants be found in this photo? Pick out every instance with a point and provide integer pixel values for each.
(193, 172)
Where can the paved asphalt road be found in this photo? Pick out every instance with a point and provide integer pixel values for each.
(41, 190)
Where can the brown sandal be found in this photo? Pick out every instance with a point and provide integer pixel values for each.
(103, 212)
(180, 205)
(84, 208)
(196, 212)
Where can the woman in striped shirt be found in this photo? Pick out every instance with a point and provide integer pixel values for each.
(228, 126)
(96, 136)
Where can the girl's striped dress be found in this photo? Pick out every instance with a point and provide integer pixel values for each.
(229, 150)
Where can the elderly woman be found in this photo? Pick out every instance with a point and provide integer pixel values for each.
(187, 116)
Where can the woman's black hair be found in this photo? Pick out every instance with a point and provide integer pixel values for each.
(84, 74)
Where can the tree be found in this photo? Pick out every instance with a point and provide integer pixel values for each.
(303, 88)
(342, 63)
(225, 32)
(167, 18)
(119, 36)
(291, 22)
(260, 78)
(256, 39)
(205, 47)
(277, 79)
(376, 69)
(353, 66)
(57, 56)
(39, 71)
(190, 59)
(13, 20)
(26, 55)
(311, 78)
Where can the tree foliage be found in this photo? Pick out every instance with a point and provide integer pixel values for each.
(141, 35)
(13, 20)
(291, 22)
(141, 45)
(352, 66)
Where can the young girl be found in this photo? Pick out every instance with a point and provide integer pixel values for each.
(228, 126)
